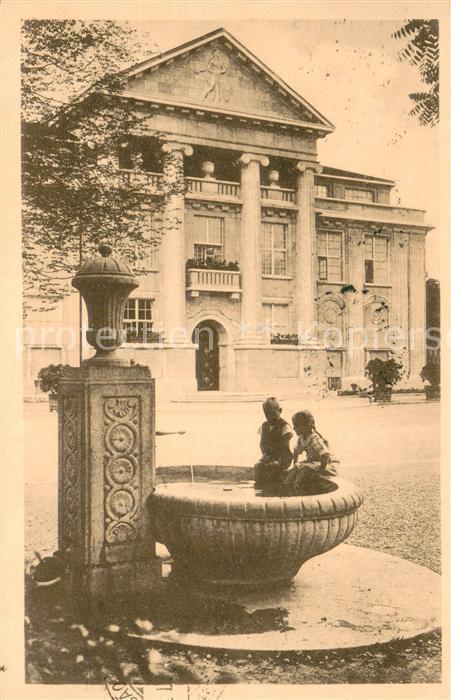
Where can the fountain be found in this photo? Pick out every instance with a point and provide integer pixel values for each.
(219, 531)
(225, 532)
(114, 505)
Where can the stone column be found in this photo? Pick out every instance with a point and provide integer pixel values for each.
(305, 263)
(172, 268)
(399, 311)
(251, 248)
(354, 302)
(417, 306)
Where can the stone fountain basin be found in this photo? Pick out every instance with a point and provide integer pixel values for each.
(221, 531)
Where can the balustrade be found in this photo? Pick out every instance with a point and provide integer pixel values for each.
(150, 181)
(215, 281)
(277, 194)
(197, 185)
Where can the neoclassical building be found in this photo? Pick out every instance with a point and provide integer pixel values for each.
(273, 269)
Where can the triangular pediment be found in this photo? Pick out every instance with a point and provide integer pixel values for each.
(216, 72)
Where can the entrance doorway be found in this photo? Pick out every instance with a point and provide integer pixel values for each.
(206, 337)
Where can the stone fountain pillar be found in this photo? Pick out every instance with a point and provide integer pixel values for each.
(106, 447)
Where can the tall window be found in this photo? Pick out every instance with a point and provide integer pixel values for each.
(322, 191)
(138, 320)
(376, 259)
(330, 256)
(359, 195)
(274, 253)
(276, 317)
(209, 237)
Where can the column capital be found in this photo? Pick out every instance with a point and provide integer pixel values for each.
(172, 146)
(302, 167)
(247, 158)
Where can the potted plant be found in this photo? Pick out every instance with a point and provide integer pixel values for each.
(431, 374)
(383, 374)
(49, 378)
(212, 264)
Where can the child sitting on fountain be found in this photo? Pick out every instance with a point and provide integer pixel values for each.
(275, 435)
(310, 476)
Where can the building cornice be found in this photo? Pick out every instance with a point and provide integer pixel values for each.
(387, 183)
(369, 204)
(422, 228)
(227, 115)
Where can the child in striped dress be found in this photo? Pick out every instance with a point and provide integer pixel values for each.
(311, 475)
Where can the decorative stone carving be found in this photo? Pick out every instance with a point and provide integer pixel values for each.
(121, 425)
(212, 73)
(205, 309)
(330, 317)
(376, 314)
(70, 477)
(105, 285)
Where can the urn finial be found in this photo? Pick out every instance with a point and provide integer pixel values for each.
(105, 284)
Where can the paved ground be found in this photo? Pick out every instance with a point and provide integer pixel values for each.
(391, 451)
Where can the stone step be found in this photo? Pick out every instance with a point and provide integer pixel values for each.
(221, 397)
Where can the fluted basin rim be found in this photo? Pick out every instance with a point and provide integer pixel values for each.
(235, 502)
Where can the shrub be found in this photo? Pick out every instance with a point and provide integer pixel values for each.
(285, 339)
(50, 378)
(212, 264)
(383, 374)
(431, 373)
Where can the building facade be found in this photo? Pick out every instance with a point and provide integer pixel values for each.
(275, 272)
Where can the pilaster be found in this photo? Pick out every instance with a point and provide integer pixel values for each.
(417, 306)
(399, 312)
(354, 303)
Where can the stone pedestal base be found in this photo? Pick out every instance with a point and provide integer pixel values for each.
(106, 474)
(349, 597)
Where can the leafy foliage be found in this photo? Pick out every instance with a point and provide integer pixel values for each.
(74, 124)
(383, 374)
(50, 377)
(212, 264)
(431, 372)
(422, 52)
(284, 339)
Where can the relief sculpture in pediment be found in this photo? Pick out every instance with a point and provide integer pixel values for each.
(214, 77)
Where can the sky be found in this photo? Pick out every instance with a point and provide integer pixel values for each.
(349, 71)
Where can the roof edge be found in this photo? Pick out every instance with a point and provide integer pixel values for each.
(216, 34)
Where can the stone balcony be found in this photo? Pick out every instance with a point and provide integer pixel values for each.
(151, 182)
(214, 282)
(200, 186)
(278, 195)
(211, 189)
(369, 211)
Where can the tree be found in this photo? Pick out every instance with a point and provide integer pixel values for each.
(74, 124)
(422, 52)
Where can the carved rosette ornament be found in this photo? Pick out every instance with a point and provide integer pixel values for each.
(121, 505)
(105, 285)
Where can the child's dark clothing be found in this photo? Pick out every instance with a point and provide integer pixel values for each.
(276, 454)
(275, 443)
